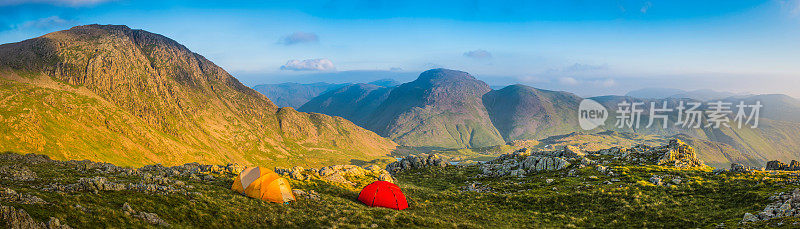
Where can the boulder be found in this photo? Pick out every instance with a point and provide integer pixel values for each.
(776, 165)
(573, 152)
(417, 162)
(656, 180)
(749, 218)
(11, 217)
(680, 155)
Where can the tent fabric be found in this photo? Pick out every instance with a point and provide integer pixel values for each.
(263, 184)
(383, 194)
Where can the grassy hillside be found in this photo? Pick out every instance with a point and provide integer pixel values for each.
(132, 97)
(452, 196)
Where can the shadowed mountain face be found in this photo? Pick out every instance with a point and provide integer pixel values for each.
(441, 108)
(356, 102)
(296, 94)
(451, 109)
(523, 112)
(131, 97)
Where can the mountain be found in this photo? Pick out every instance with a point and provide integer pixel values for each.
(296, 94)
(451, 109)
(663, 93)
(704, 95)
(771, 140)
(441, 108)
(355, 102)
(114, 94)
(775, 106)
(523, 112)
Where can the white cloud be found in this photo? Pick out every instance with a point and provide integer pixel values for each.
(298, 38)
(593, 82)
(584, 67)
(791, 6)
(43, 23)
(53, 2)
(568, 81)
(607, 82)
(478, 54)
(646, 7)
(321, 64)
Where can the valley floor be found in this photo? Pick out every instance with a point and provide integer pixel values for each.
(90, 195)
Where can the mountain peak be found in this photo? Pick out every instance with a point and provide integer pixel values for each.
(144, 86)
(445, 74)
(103, 27)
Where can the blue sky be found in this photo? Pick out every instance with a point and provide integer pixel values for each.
(586, 47)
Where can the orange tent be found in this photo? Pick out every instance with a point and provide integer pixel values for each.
(263, 184)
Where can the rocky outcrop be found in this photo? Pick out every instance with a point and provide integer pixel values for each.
(311, 194)
(151, 218)
(679, 154)
(18, 218)
(524, 161)
(341, 174)
(739, 168)
(665, 180)
(785, 205)
(417, 162)
(17, 173)
(777, 165)
(9, 195)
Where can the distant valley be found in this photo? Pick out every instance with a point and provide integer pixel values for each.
(448, 109)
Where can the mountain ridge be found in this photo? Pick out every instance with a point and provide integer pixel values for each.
(168, 105)
(446, 108)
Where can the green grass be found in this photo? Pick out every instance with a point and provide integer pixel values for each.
(436, 198)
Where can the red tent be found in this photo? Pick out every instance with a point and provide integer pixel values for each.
(383, 194)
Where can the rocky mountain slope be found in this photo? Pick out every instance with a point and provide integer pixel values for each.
(441, 108)
(355, 102)
(447, 109)
(451, 109)
(132, 97)
(524, 112)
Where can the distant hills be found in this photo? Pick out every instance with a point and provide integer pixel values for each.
(451, 109)
(296, 94)
(448, 109)
(663, 93)
(775, 138)
(131, 97)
